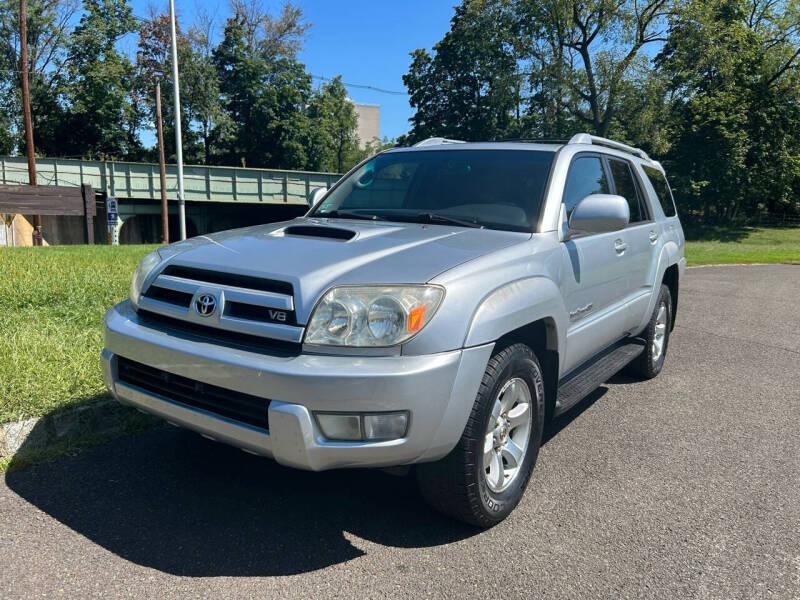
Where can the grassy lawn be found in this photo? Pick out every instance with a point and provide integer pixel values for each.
(743, 245)
(52, 302)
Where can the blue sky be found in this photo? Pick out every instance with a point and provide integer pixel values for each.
(366, 41)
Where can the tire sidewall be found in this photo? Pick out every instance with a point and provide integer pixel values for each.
(665, 298)
(496, 506)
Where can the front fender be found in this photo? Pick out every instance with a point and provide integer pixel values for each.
(515, 305)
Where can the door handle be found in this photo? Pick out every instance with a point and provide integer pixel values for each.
(620, 246)
(653, 237)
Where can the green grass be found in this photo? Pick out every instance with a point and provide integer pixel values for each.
(52, 302)
(745, 245)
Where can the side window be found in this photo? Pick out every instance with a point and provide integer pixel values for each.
(586, 176)
(626, 187)
(661, 187)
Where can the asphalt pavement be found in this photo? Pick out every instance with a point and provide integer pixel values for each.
(686, 486)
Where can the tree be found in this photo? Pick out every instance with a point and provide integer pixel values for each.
(264, 89)
(469, 87)
(581, 53)
(48, 26)
(734, 70)
(202, 86)
(333, 142)
(102, 119)
(154, 59)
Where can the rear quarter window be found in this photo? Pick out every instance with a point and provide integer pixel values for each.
(663, 192)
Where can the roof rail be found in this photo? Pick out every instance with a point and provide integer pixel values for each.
(541, 140)
(585, 138)
(437, 141)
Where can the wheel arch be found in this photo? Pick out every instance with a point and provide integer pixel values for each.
(530, 311)
(672, 280)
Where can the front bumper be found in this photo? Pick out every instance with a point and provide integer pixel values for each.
(438, 390)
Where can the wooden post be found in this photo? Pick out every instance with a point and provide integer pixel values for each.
(162, 167)
(88, 212)
(26, 111)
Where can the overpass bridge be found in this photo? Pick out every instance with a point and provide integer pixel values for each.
(216, 197)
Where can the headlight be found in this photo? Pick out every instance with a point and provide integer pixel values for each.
(372, 316)
(147, 264)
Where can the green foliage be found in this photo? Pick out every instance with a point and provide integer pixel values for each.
(153, 61)
(246, 101)
(469, 87)
(333, 141)
(733, 68)
(712, 87)
(48, 25)
(264, 90)
(102, 120)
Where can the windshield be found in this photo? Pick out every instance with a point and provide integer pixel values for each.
(498, 189)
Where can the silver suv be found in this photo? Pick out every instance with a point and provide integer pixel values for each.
(435, 308)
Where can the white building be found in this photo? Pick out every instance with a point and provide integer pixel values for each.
(369, 123)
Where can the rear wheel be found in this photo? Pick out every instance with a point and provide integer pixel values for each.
(483, 478)
(656, 336)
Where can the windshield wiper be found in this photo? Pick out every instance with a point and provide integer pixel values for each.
(437, 218)
(346, 214)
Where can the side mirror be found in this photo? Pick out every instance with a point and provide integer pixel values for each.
(599, 213)
(316, 195)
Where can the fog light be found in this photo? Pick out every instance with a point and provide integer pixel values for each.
(385, 426)
(340, 427)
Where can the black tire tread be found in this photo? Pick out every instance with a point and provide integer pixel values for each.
(445, 483)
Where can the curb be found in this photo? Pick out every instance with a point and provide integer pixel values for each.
(103, 418)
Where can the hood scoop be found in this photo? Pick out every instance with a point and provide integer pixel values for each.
(318, 231)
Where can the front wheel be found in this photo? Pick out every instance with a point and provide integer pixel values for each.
(485, 475)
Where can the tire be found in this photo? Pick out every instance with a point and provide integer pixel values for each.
(656, 336)
(458, 485)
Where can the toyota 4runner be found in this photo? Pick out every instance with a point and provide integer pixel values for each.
(434, 308)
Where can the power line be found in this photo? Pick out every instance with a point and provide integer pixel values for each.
(363, 86)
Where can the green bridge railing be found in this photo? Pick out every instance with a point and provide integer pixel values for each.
(141, 180)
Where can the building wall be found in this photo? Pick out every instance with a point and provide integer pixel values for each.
(369, 123)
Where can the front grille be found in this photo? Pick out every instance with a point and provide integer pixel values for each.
(171, 296)
(233, 279)
(230, 339)
(237, 406)
(179, 293)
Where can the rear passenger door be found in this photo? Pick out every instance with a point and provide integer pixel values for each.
(642, 237)
(594, 268)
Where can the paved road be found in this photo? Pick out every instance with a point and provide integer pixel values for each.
(687, 486)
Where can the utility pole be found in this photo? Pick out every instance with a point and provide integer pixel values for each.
(178, 141)
(26, 111)
(161, 166)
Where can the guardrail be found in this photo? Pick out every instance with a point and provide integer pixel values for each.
(141, 180)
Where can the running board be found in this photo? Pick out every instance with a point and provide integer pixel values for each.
(576, 387)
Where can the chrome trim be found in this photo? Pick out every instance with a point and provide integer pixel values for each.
(275, 331)
(236, 294)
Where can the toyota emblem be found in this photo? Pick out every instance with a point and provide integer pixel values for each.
(205, 305)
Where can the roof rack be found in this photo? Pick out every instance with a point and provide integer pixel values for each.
(542, 140)
(437, 141)
(585, 138)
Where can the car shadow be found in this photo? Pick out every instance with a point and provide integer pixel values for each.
(171, 500)
(558, 424)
